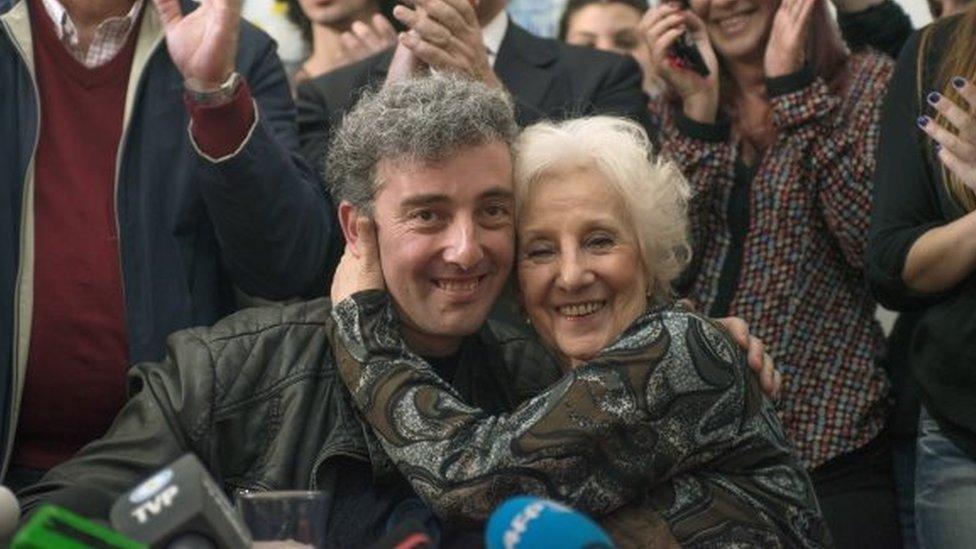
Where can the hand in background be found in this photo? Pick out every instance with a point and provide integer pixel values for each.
(956, 150)
(445, 35)
(786, 49)
(366, 39)
(660, 28)
(759, 360)
(203, 43)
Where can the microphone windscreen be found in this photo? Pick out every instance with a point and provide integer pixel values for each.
(9, 512)
(526, 522)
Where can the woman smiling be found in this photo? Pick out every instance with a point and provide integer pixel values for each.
(657, 411)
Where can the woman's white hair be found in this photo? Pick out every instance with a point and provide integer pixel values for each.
(653, 189)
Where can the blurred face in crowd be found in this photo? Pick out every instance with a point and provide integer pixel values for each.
(581, 275)
(446, 239)
(610, 27)
(738, 29)
(339, 13)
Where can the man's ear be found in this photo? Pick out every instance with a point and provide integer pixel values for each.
(348, 216)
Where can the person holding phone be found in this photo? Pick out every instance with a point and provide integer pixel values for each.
(778, 143)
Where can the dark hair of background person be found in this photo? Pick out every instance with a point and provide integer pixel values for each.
(574, 6)
(297, 16)
(958, 60)
(936, 7)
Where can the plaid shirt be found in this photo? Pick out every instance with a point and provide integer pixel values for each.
(801, 285)
(110, 34)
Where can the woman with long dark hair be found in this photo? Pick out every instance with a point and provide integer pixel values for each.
(777, 141)
(922, 257)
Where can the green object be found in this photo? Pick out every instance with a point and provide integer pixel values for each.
(54, 528)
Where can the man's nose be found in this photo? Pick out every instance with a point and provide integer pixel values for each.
(574, 273)
(463, 247)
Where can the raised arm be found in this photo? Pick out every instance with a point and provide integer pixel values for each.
(270, 213)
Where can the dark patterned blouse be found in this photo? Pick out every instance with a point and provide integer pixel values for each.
(669, 409)
(799, 278)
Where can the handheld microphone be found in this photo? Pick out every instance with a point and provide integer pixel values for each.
(53, 526)
(180, 506)
(526, 522)
(9, 512)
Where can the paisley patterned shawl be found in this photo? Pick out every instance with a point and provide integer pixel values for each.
(667, 419)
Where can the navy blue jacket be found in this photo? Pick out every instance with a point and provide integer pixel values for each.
(191, 229)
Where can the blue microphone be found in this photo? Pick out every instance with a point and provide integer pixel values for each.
(526, 522)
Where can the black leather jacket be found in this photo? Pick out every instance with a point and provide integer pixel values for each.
(257, 398)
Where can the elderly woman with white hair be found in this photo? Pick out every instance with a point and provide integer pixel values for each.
(657, 412)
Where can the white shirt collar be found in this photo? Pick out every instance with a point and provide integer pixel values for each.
(492, 34)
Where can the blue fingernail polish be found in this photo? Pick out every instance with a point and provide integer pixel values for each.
(958, 82)
(938, 147)
(933, 98)
(922, 121)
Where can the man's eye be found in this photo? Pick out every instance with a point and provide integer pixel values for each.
(424, 216)
(626, 42)
(496, 211)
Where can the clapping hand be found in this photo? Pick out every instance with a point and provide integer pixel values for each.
(660, 27)
(786, 49)
(365, 39)
(445, 35)
(956, 150)
(203, 43)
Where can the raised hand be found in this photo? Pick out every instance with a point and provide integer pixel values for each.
(359, 269)
(203, 43)
(660, 27)
(366, 39)
(445, 35)
(786, 49)
(956, 150)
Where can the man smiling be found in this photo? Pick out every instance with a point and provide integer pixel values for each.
(257, 398)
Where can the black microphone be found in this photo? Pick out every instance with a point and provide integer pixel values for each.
(180, 507)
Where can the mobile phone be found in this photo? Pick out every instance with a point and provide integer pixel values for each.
(685, 52)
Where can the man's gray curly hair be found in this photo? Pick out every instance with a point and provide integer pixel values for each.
(423, 119)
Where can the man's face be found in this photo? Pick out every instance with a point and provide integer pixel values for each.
(337, 13)
(446, 240)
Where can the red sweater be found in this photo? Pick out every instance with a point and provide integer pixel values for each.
(78, 355)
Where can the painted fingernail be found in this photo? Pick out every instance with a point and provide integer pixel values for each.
(938, 147)
(933, 98)
(958, 82)
(922, 121)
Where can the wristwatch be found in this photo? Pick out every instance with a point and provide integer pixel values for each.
(221, 95)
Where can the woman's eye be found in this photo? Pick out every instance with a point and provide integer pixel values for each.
(539, 253)
(601, 241)
(626, 42)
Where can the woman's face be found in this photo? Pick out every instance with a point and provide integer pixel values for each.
(609, 27)
(579, 264)
(738, 29)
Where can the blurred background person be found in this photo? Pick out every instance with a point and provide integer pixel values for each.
(946, 8)
(340, 32)
(610, 25)
(920, 261)
(778, 142)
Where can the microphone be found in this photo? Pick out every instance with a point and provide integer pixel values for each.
(410, 534)
(9, 512)
(180, 506)
(53, 526)
(526, 522)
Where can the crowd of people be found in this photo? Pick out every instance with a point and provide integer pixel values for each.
(446, 262)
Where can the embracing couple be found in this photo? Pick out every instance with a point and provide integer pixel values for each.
(635, 410)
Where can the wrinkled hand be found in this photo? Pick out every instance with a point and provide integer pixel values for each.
(759, 360)
(956, 151)
(786, 49)
(365, 39)
(359, 269)
(203, 43)
(660, 27)
(445, 35)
